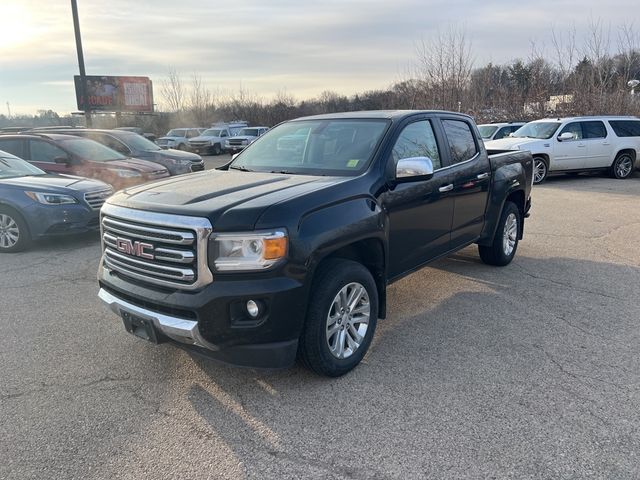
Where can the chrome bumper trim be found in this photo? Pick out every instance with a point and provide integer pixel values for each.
(178, 329)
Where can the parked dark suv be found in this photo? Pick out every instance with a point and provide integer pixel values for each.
(55, 153)
(133, 145)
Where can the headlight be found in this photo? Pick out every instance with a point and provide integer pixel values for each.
(121, 172)
(245, 142)
(51, 198)
(227, 144)
(248, 251)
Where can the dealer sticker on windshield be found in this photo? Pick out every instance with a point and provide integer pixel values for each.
(353, 163)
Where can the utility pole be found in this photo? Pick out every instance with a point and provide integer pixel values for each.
(83, 76)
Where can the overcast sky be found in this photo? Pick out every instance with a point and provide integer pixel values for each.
(301, 46)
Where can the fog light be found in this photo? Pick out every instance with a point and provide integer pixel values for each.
(252, 308)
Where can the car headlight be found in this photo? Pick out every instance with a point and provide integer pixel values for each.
(245, 142)
(52, 198)
(248, 251)
(227, 144)
(124, 173)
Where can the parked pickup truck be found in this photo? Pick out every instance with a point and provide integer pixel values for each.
(284, 252)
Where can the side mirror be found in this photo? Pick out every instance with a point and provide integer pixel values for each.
(62, 159)
(414, 169)
(566, 136)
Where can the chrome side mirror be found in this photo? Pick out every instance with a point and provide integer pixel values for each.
(413, 169)
(566, 136)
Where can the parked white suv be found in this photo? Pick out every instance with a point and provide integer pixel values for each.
(577, 144)
(496, 131)
(244, 137)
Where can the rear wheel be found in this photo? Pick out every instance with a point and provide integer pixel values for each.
(622, 166)
(341, 319)
(540, 169)
(14, 234)
(505, 242)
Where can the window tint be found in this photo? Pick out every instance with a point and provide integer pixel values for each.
(12, 146)
(574, 128)
(593, 130)
(503, 132)
(417, 140)
(42, 151)
(626, 128)
(461, 141)
(193, 133)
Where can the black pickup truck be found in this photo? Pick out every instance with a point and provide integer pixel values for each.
(288, 250)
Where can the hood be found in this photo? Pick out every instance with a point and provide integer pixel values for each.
(137, 164)
(155, 155)
(55, 183)
(243, 137)
(204, 138)
(514, 143)
(231, 200)
(170, 138)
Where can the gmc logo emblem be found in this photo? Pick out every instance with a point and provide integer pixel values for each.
(137, 249)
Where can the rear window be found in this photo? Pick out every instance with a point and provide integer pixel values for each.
(461, 141)
(626, 128)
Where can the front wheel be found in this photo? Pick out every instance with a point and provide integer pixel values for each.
(505, 242)
(622, 166)
(217, 150)
(540, 169)
(341, 319)
(14, 234)
(182, 147)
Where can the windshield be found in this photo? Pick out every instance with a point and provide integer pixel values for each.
(249, 132)
(314, 147)
(487, 130)
(11, 167)
(541, 130)
(176, 132)
(211, 133)
(138, 142)
(90, 150)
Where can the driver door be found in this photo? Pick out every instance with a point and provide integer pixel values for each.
(570, 154)
(420, 212)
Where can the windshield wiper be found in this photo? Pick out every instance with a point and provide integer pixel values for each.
(242, 169)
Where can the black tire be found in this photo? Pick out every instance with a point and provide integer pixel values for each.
(182, 147)
(217, 150)
(8, 218)
(540, 169)
(332, 276)
(622, 167)
(495, 253)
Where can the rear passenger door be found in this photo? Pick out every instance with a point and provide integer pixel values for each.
(599, 147)
(471, 174)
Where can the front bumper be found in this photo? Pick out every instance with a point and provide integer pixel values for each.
(48, 220)
(211, 321)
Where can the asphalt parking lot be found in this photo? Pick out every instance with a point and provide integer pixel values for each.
(527, 371)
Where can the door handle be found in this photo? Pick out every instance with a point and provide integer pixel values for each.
(446, 188)
(482, 176)
(581, 145)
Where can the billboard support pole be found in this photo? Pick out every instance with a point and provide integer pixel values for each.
(83, 75)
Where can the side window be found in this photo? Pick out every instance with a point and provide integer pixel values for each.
(503, 132)
(223, 134)
(417, 140)
(622, 128)
(42, 151)
(113, 143)
(594, 130)
(13, 146)
(574, 128)
(192, 133)
(461, 140)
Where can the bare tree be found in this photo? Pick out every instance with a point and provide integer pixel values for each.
(172, 92)
(200, 104)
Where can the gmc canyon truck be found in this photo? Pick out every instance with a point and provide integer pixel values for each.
(289, 252)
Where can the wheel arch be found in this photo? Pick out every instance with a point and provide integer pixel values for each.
(630, 150)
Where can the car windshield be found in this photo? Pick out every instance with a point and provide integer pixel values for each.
(90, 150)
(11, 167)
(138, 142)
(487, 130)
(249, 132)
(314, 147)
(212, 132)
(176, 133)
(541, 130)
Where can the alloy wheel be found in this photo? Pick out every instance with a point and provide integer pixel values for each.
(539, 170)
(348, 320)
(510, 234)
(9, 231)
(624, 166)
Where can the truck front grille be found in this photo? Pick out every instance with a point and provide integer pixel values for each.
(161, 249)
(97, 198)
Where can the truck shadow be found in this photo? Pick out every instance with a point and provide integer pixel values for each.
(466, 350)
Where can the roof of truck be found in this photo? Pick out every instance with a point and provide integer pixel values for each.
(588, 117)
(385, 114)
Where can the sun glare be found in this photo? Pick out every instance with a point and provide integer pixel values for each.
(17, 26)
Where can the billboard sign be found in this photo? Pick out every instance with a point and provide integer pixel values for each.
(116, 94)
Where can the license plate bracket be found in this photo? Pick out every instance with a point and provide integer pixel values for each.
(140, 327)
